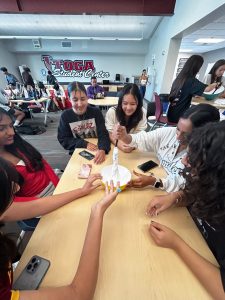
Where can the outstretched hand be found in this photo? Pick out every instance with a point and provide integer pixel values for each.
(164, 236)
(110, 196)
(91, 183)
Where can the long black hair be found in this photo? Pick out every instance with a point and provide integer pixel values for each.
(23, 150)
(190, 70)
(133, 120)
(9, 178)
(205, 179)
(217, 64)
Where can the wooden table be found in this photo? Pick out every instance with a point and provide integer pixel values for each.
(107, 101)
(33, 101)
(198, 100)
(131, 266)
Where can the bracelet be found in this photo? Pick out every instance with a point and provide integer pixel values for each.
(179, 198)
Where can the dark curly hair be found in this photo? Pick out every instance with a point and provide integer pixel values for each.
(133, 121)
(205, 178)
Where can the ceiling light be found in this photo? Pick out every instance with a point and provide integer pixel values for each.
(209, 40)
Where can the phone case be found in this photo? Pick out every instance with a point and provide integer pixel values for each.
(148, 165)
(32, 274)
(85, 171)
(87, 155)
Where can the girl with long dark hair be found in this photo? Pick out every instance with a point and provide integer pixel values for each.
(185, 86)
(204, 196)
(216, 74)
(129, 113)
(85, 279)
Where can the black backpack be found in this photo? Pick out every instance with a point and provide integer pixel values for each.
(30, 129)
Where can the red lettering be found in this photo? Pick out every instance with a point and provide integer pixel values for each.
(68, 65)
(78, 65)
(57, 63)
(89, 64)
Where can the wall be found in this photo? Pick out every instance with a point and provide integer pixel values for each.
(9, 61)
(126, 65)
(186, 14)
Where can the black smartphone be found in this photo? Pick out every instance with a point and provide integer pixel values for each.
(87, 155)
(32, 274)
(148, 165)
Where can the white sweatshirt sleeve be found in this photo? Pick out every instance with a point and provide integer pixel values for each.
(173, 183)
(146, 141)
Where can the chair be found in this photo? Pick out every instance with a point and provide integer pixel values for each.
(26, 225)
(160, 119)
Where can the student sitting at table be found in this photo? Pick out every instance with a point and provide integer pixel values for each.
(82, 122)
(59, 96)
(41, 206)
(84, 282)
(129, 112)
(216, 75)
(169, 145)
(186, 86)
(95, 90)
(204, 196)
(17, 114)
(39, 178)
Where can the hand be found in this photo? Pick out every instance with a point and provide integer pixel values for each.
(110, 196)
(90, 184)
(119, 132)
(99, 157)
(124, 147)
(92, 147)
(164, 236)
(142, 180)
(160, 203)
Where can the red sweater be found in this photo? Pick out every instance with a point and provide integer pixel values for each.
(34, 182)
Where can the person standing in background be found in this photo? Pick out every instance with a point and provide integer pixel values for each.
(94, 89)
(10, 78)
(216, 75)
(28, 80)
(51, 80)
(143, 80)
(186, 86)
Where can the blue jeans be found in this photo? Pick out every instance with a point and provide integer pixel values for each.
(142, 90)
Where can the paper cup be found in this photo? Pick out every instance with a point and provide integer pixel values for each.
(124, 176)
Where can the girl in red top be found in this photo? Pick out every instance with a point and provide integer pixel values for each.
(37, 178)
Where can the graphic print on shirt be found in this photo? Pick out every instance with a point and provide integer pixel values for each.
(84, 129)
(167, 161)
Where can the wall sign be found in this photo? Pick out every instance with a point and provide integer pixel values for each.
(72, 68)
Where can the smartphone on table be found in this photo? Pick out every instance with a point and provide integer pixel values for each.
(147, 166)
(86, 154)
(32, 274)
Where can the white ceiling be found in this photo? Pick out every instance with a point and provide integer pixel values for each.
(215, 29)
(140, 28)
(74, 26)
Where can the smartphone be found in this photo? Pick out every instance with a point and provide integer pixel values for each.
(32, 274)
(85, 171)
(87, 155)
(148, 165)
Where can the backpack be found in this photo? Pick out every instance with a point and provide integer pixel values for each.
(30, 129)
